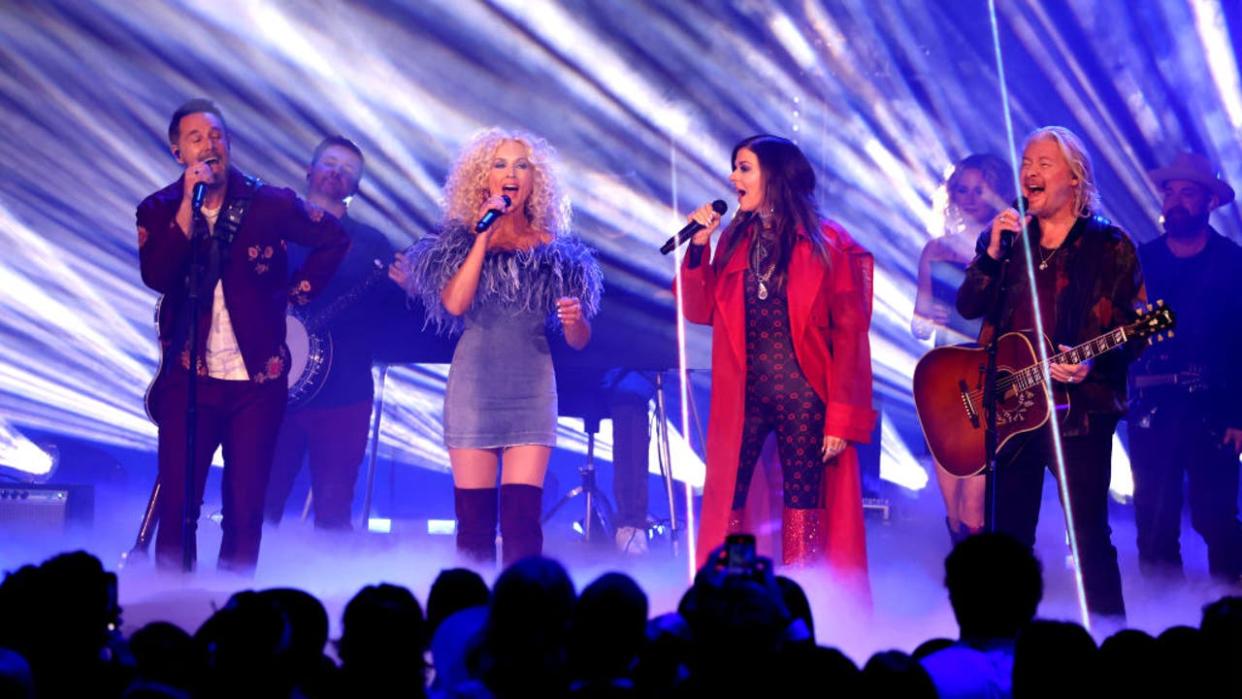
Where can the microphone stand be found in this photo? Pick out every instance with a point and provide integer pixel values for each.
(376, 419)
(188, 524)
(990, 398)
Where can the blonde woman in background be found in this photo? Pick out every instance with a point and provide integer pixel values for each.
(980, 186)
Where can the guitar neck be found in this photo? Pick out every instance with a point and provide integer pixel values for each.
(1033, 375)
(346, 300)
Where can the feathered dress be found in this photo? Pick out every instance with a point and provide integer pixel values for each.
(501, 391)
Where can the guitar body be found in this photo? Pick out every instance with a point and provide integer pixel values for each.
(948, 396)
(148, 398)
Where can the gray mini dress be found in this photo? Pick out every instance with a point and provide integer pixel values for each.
(501, 391)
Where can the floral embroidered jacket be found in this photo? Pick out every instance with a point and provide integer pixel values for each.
(1098, 286)
(257, 285)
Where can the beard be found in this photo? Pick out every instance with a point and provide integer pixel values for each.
(1180, 223)
(332, 187)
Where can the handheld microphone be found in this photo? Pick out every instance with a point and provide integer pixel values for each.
(492, 214)
(691, 228)
(1007, 237)
(199, 194)
(200, 189)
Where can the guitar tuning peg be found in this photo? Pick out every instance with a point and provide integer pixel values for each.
(1160, 338)
(1151, 341)
(1149, 308)
(1170, 333)
(1160, 303)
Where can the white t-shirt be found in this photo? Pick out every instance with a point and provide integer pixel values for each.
(224, 358)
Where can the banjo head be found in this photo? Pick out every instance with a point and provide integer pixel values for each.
(298, 341)
(310, 356)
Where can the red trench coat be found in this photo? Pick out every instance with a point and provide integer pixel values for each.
(829, 316)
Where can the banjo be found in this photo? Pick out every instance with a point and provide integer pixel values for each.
(310, 346)
(310, 343)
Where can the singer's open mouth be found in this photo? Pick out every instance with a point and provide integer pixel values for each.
(509, 188)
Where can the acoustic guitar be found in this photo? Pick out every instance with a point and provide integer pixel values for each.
(948, 388)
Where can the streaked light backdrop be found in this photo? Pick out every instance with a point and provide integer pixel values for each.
(643, 99)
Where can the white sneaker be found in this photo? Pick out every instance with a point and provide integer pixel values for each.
(632, 540)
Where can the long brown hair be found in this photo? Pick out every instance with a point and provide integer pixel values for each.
(789, 192)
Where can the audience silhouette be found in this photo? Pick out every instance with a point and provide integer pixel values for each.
(736, 632)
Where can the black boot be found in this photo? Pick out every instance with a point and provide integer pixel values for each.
(521, 531)
(476, 523)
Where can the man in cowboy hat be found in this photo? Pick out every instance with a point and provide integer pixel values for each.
(1186, 418)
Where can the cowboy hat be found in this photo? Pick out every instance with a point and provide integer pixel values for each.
(1194, 168)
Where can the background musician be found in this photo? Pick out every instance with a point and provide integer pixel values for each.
(978, 188)
(329, 431)
(1186, 423)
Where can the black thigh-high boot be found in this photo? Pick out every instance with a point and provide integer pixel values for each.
(476, 523)
(521, 531)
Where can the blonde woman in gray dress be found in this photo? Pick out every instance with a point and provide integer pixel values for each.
(505, 289)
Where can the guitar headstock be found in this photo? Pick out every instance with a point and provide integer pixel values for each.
(1152, 321)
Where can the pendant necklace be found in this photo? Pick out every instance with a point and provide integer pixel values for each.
(1045, 259)
(759, 253)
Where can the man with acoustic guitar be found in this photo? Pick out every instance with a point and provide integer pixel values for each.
(326, 424)
(1088, 283)
(1186, 422)
(214, 244)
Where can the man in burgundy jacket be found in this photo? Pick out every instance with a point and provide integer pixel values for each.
(244, 290)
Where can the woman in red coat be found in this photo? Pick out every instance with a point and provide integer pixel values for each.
(788, 296)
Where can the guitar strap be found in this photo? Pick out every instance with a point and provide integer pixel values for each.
(217, 252)
(226, 230)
